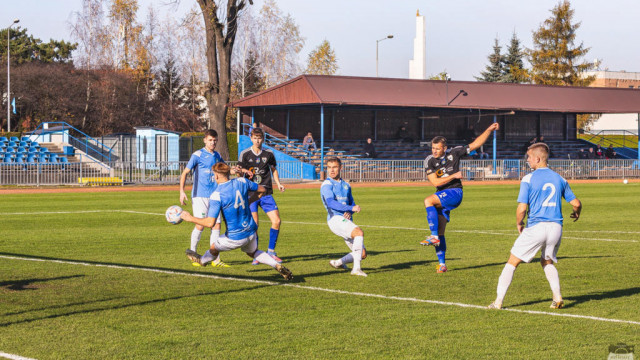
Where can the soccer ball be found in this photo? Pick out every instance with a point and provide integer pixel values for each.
(173, 214)
(625, 181)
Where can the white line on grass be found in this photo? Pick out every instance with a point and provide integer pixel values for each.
(334, 291)
(14, 357)
(485, 232)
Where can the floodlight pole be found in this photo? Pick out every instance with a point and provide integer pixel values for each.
(377, 42)
(9, 77)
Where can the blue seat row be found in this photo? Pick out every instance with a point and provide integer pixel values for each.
(53, 159)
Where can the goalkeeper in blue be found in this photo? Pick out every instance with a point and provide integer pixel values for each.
(337, 199)
(231, 198)
(541, 192)
(443, 171)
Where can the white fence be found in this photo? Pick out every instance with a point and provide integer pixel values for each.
(353, 170)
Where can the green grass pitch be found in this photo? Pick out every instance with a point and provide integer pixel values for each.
(112, 281)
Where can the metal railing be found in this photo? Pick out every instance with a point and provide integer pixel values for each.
(134, 172)
(89, 145)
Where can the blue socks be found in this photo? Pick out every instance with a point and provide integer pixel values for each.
(432, 219)
(441, 249)
(273, 239)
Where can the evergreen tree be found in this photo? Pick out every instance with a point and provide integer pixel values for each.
(26, 48)
(169, 86)
(555, 59)
(322, 60)
(494, 71)
(513, 70)
(248, 79)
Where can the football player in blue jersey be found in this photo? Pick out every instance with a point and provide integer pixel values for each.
(260, 166)
(203, 186)
(541, 193)
(340, 206)
(231, 198)
(443, 171)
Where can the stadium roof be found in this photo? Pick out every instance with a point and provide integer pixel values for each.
(364, 91)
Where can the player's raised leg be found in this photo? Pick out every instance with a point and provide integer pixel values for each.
(431, 204)
(441, 247)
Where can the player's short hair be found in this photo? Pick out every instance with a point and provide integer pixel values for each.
(257, 132)
(222, 169)
(335, 160)
(439, 140)
(211, 132)
(542, 149)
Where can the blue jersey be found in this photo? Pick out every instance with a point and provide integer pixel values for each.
(543, 191)
(336, 197)
(201, 163)
(232, 198)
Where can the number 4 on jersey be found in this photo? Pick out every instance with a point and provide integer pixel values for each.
(239, 200)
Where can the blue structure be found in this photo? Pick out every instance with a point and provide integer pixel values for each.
(288, 166)
(157, 148)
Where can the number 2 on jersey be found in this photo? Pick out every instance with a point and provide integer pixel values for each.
(239, 200)
(547, 201)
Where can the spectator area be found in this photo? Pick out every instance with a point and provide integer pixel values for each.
(24, 150)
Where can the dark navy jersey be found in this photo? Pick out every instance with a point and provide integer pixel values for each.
(260, 165)
(446, 166)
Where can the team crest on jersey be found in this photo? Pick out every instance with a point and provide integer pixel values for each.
(345, 187)
(264, 159)
(257, 160)
(450, 157)
(257, 178)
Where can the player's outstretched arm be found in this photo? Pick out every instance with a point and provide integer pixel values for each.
(183, 179)
(480, 140)
(577, 209)
(206, 222)
(436, 181)
(521, 212)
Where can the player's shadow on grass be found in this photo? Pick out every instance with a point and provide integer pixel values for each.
(405, 265)
(329, 256)
(124, 306)
(571, 301)
(59, 306)
(274, 278)
(29, 284)
(479, 266)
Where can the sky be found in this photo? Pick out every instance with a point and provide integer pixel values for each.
(460, 34)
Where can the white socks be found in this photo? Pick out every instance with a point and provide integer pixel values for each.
(207, 257)
(265, 258)
(554, 281)
(195, 238)
(504, 281)
(356, 252)
(215, 234)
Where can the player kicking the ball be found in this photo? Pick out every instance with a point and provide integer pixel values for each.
(232, 199)
(203, 185)
(443, 171)
(260, 166)
(542, 192)
(337, 199)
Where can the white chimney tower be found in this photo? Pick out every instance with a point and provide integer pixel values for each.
(418, 66)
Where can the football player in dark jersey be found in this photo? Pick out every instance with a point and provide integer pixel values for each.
(260, 166)
(443, 171)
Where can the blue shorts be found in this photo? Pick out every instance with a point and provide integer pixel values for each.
(449, 199)
(267, 203)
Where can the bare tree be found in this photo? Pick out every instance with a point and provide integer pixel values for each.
(221, 24)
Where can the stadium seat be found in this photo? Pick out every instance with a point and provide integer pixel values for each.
(4, 138)
(15, 139)
(31, 159)
(44, 150)
(53, 158)
(42, 159)
(12, 144)
(21, 150)
(33, 150)
(25, 138)
(23, 144)
(10, 150)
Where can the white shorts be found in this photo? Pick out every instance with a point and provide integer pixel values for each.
(341, 226)
(201, 208)
(248, 244)
(545, 235)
